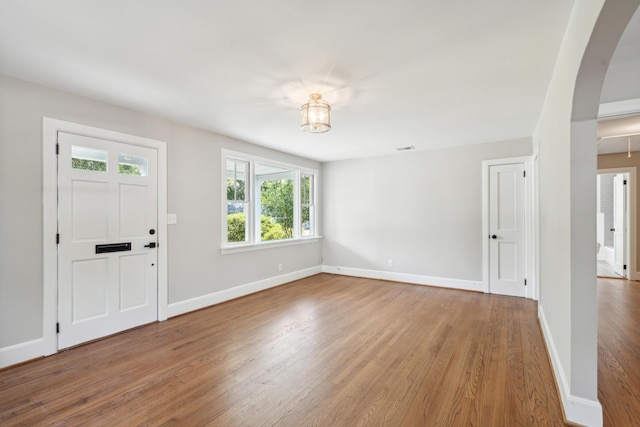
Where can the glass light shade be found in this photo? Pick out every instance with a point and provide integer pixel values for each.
(315, 115)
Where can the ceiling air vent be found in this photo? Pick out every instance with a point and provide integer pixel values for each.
(407, 148)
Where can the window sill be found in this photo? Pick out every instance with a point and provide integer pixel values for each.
(268, 245)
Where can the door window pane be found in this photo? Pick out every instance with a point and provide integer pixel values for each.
(132, 165)
(88, 159)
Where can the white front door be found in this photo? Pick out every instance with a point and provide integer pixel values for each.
(107, 223)
(619, 224)
(506, 229)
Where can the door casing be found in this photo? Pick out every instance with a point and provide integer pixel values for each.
(529, 255)
(50, 129)
(631, 243)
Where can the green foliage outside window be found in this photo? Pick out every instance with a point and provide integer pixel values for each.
(269, 229)
(277, 203)
(89, 165)
(101, 166)
(129, 170)
(235, 189)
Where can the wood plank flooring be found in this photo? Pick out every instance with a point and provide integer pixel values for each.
(619, 351)
(322, 351)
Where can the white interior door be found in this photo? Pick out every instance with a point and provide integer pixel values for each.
(619, 224)
(107, 222)
(507, 230)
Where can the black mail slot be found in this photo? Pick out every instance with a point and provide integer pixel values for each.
(113, 247)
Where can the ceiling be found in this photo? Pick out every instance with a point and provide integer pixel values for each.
(425, 73)
(622, 86)
(619, 135)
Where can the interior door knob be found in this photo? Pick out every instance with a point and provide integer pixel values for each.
(493, 236)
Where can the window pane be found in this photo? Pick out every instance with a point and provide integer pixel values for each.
(304, 189)
(306, 225)
(236, 222)
(132, 165)
(276, 201)
(236, 179)
(88, 159)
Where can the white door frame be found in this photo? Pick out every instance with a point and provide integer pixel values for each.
(631, 237)
(50, 129)
(529, 255)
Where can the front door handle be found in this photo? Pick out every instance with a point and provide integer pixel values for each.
(150, 245)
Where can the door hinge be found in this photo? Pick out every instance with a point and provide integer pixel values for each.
(525, 282)
(524, 174)
(57, 148)
(57, 327)
(624, 182)
(624, 267)
(57, 238)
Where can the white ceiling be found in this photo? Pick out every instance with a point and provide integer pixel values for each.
(622, 86)
(425, 73)
(618, 135)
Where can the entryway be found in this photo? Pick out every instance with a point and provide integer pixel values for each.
(613, 216)
(107, 221)
(105, 266)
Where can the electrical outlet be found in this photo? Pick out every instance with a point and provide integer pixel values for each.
(279, 267)
(390, 263)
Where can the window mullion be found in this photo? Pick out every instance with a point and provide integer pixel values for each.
(250, 195)
(312, 204)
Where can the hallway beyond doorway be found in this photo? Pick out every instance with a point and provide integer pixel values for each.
(605, 270)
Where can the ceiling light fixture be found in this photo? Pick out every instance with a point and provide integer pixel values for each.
(315, 115)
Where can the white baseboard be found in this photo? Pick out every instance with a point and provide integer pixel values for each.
(182, 307)
(29, 350)
(442, 282)
(21, 352)
(578, 410)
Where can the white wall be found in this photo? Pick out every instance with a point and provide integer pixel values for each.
(616, 84)
(621, 81)
(565, 140)
(196, 268)
(423, 209)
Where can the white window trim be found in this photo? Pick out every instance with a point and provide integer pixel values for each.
(311, 203)
(227, 248)
(246, 247)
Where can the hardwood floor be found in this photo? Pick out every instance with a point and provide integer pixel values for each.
(619, 351)
(323, 351)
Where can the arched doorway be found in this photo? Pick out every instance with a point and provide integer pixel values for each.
(609, 26)
(565, 144)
